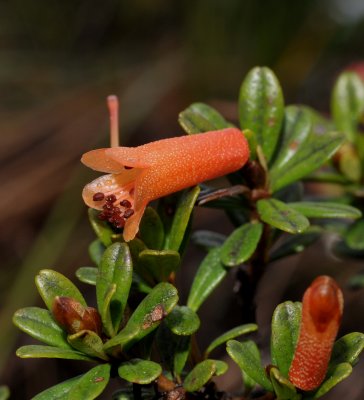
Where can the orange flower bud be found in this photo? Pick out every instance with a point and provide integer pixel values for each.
(322, 308)
(138, 175)
(74, 317)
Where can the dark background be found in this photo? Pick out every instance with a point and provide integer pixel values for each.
(58, 62)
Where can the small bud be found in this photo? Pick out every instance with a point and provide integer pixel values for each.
(254, 175)
(74, 317)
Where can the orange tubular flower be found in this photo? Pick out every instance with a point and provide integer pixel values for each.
(138, 175)
(322, 308)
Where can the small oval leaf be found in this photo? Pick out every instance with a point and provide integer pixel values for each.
(276, 213)
(39, 324)
(51, 284)
(231, 334)
(139, 371)
(183, 321)
(87, 275)
(200, 375)
(340, 372)
(261, 108)
(151, 230)
(247, 356)
(320, 209)
(96, 250)
(283, 388)
(159, 263)
(347, 349)
(37, 351)
(285, 329)
(209, 274)
(200, 117)
(101, 228)
(88, 342)
(241, 244)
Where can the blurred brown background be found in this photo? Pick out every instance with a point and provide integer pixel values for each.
(58, 62)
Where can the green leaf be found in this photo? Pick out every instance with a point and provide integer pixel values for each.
(247, 356)
(200, 117)
(183, 321)
(283, 388)
(209, 274)
(4, 392)
(88, 342)
(140, 285)
(139, 371)
(37, 351)
(159, 264)
(39, 324)
(261, 108)
(147, 316)
(285, 329)
(116, 268)
(340, 372)
(176, 232)
(309, 157)
(347, 103)
(101, 228)
(87, 275)
(151, 230)
(208, 239)
(221, 367)
(84, 387)
(231, 334)
(201, 374)
(320, 209)
(51, 284)
(347, 349)
(241, 244)
(296, 129)
(296, 243)
(173, 349)
(356, 281)
(146, 393)
(278, 214)
(96, 250)
(354, 235)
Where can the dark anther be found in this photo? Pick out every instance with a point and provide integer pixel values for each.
(116, 210)
(102, 216)
(111, 198)
(125, 203)
(126, 167)
(128, 213)
(108, 207)
(98, 196)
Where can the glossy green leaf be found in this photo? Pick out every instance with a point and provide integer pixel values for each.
(87, 275)
(221, 367)
(39, 324)
(160, 263)
(296, 243)
(200, 117)
(51, 284)
(4, 392)
(116, 268)
(88, 342)
(278, 214)
(347, 349)
(320, 209)
(309, 157)
(261, 108)
(183, 321)
(283, 388)
(231, 334)
(208, 239)
(209, 274)
(247, 356)
(296, 129)
(347, 103)
(285, 329)
(340, 372)
(355, 234)
(96, 250)
(37, 351)
(201, 374)
(241, 244)
(84, 387)
(139, 371)
(184, 208)
(173, 349)
(147, 316)
(151, 230)
(101, 228)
